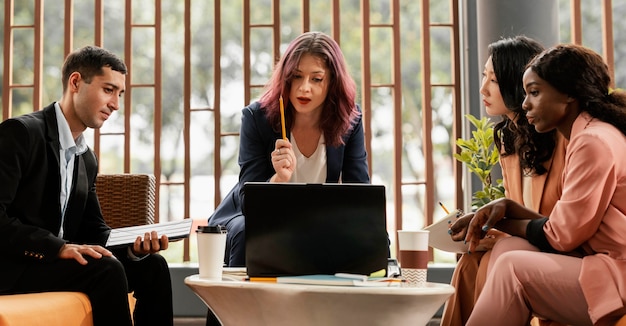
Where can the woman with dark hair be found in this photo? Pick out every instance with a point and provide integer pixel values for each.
(324, 141)
(513, 134)
(567, 266)
(531, 162)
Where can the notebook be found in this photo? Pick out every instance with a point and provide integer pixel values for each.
(305, 229)
(175, 230)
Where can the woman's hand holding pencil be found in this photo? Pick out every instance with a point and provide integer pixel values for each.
(283, 158)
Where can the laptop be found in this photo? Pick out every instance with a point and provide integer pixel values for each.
(314, 229)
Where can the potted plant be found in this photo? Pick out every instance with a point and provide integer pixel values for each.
(480, 156)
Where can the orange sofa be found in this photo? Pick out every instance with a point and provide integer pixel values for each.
(47, 308)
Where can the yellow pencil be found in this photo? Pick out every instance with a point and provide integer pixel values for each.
(282, 117)
(262, 279)
(444, 208)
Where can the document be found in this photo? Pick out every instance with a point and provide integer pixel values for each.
(439, 238)
(174, 230)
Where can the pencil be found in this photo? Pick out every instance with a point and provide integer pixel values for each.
(262, 279)
(282, 117)
(444, 208)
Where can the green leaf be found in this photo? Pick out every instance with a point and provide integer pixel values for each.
(480, 156)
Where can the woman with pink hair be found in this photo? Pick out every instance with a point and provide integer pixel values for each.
(323, 140)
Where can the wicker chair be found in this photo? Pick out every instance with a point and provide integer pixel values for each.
(126, 200)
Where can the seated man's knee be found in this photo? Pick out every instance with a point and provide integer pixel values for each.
(156, 261)
(108, 268)
(111, 265)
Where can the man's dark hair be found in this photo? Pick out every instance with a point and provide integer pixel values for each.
(89, 61)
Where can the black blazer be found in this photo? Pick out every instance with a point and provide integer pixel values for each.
(30, 184)
(257, 141)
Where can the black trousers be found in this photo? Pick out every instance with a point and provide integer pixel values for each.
(107, 282)
(211, 319)
(150, 280)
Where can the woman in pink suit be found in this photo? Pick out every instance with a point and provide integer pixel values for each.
(531, 162)
(568, 267)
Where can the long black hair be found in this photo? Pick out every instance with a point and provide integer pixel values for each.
(509, 57)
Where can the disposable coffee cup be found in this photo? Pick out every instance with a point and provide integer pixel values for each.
(413, 247)
(211, 247)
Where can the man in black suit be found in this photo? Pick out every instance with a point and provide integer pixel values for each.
(52, 231)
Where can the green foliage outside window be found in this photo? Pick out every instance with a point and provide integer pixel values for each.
(480, 156)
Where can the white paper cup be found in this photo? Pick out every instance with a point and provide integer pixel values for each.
(211, 247)
(413, 247)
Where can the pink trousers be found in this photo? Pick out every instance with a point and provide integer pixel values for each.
(522, 282)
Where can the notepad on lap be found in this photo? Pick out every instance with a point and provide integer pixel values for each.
(439, 237)
(307, 229)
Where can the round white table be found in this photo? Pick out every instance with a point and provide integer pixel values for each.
(263, 303)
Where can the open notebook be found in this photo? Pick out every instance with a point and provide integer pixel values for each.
(304, 229)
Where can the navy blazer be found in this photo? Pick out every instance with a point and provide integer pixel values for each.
(257, 141)
(30, 184)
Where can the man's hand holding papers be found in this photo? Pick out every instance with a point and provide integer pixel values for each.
(136, 235)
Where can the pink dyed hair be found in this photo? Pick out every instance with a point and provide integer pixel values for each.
(339, 109)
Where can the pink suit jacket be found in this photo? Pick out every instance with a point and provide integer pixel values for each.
(590, 216)
(470, 274)
(546, 188)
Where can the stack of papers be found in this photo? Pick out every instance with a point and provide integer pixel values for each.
(234, 274)
(175, 230)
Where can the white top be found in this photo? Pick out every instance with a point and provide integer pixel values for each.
(68, 150)
(527, 191)
(310, 169)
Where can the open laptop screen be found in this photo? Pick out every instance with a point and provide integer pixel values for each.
(302, 229)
